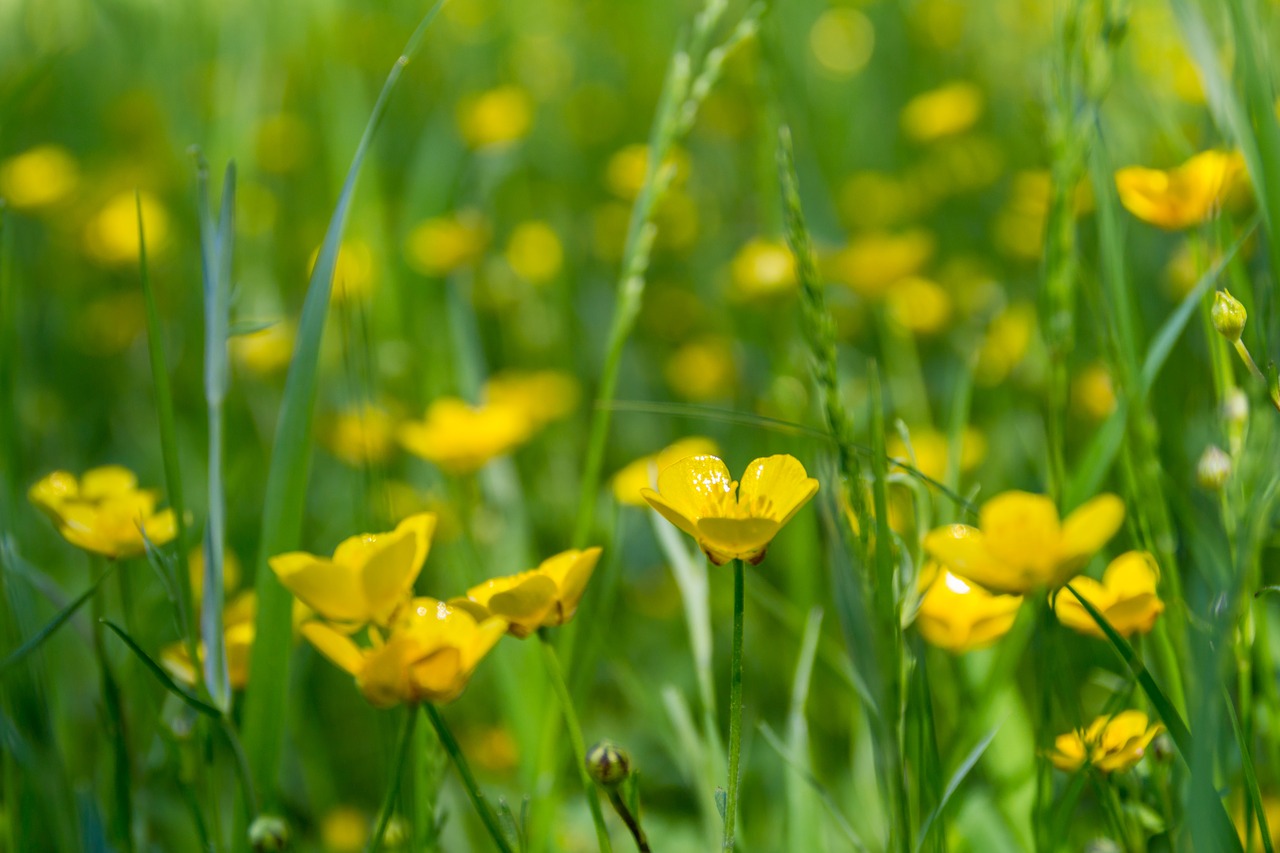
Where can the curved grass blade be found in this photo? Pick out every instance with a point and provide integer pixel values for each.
(970, 761)
(851, 836)
(165, 679)
(47, 630)
(265, 698)
(1250, 776)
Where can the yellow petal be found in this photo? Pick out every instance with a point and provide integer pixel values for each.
(1131, 574)
(337, 647)
(736, 538)
(694, 487)
(963, 550)
(573, 582)
(390, 562)
(49, 493)
(669, 512)
(438, 677)
(108, 481)
(161, 528)
(779, 482)
(384, 678)
(526, 604)
(332, 590)
(1085, 531)
(1022, 530)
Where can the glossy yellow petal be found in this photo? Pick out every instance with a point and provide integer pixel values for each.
(726, 539)
(775, 487)
(384, 679)
(486, 636)
(334, 645)
(643, 472)
(1132, 573)
(670, 512)
(1086, 530)
(331, 589)
(696, 486)
(963, 550)
(438, 677)
(49, 493)
(574, 580)
(1022, 530)
(390, 564)
(107, 481)
(525, 604)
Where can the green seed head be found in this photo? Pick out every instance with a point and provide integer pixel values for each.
(608, 763)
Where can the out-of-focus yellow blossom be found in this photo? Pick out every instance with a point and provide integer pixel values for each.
(231, 570)
(1019, 227)
(931, 449)
(625, 173)
(282, 143)
(959, 617)
(543, 395)
(877, 200)
(944, 111)
(497, 117)
(344, 829)
(494, 749)
(38, 177)
(369, 576)
(842, 41)
(1006, 343)
(111, 237)
(919, 305)
(1127, 596)
(631, 481)
(110, 324)
(353, 273)
(1180, 197)
(104, 511)
(238, 632)
(440, 245)
(429, 655)
(266, 351)
(461, 438)
(1092, 394)
(360, 436)
(1181, 273)
(872, 262)
(539, 598)
(1110, 743)
(732, 520)
(1021, 545)
(703, 369)
(763, 268)
(1271, 809)
(676, 218)
(534, 252)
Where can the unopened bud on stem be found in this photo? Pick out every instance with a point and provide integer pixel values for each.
(608, 763)
(1228, 315)
(1213, 469)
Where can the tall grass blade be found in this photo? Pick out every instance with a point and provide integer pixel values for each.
(1252, 790)
(850, 835)
(49, 628)
(165, 679)
(953, 784)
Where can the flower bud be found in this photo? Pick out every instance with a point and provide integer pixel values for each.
(1235, 408)
(398, 833)
(269, 834)
(608, 763)
(1229, 316)
(1213, 469)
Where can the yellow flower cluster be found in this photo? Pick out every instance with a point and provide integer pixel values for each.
(104, 511)
(1109, 744)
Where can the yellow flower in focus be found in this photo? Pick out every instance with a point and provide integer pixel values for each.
(238, 631)
(643, 473)
(872, 262)
(231, 571)
(944, 111)
(534, 252)
(361, 436)
(111, 237)
(441, 245)
(1127, 596)
(540, 598)
(919, 305)
(461, 438)
(353, 273)
(266, 351)
(542, 395)
(368, 577)
(429, 656)
(496, 117)
(344, 829)
(702, 370)
(104, 511)
(763, 268)
(1006, 343)
(625, 173)
(38, 177)
(1092, 394)
(959, 617)
(732, 520)
(1110, 743)
(1021, 545)
(1181, 197)
(931, 449)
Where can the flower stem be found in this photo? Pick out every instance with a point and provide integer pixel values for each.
(556, 672)
(121, 780)
(735, 707)
(393, 790)
(631, 820)
(468, 781)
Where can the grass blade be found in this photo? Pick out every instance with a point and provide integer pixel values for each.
(970, 761)
(779, 747)
(163, 677)
(1250, 775)
(47, 630)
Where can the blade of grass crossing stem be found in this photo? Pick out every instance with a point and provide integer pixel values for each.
(846, 829)
(801, 819)
(165, 679)
(49, 628)
(970, 761)
(264, 712)
(1250, 775)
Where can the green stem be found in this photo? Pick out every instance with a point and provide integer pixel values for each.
(450, 744)
(735, 706)
(121, 781)
(556, 672)
(393, 790)
(632, 822)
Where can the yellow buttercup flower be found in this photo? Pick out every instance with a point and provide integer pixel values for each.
(1020, 544)
(534, 252)
(944, 111)
(1181, 197)
(369, 576)
(540, 598)
(919, 305)
(732, 520)
(873, 262)
(626, 170)
(429, 656)
(930, 449)
(763, 268)
(702, 369)
(1110, 743)
(957, 616)
(104, 511)
(361, 436)
(111, 236)
(238, 631)
(497, 117)
(353, 272)
(443, 244)
(38, 177)
(1127, 596)
(542, 395)
(460, 438)
(1092, 394)
(266, 351)
(631, 481)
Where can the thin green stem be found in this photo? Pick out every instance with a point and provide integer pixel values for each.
(632, 821)
(450, 744)
(393, 790)
(121, 779)
(556, 672)
(735, 706)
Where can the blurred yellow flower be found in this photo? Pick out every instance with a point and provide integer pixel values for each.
(231, 570)
(878, 200)
(111, 237)
(353, 273)
(958, 617)
(931, 450)
(1006, 343)
(461, 438)
(282, 143)
(497, 117)
(344, 829)
(543, 597)
(1183, 196)
(266, 351)
(842, 41)
(872, 262)
(919, 305)
(441, 245)
(1270, 808)
(429, 656)
(238, 631)
(732, 520)
(38, 177)
(703, 369)
(763, 268)
(360, 436)
(1021, 545)
(1127, 596)
(534, 252)
(1092, 394)
(944, 111)
(1110, 743)
(109, 324)
(643, 472)
(104, 511)
(494, 749)
(369, 576)
(625, 172)
(542, 395)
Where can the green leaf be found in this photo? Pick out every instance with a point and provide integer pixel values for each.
(240, 328)
(162, 676)
(970, 761)
(47, 630)
(846, 829)
(1250, 776)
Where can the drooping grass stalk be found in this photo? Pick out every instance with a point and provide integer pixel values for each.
(735, 707)
(120, 795)
(450, 744)
(400, 758)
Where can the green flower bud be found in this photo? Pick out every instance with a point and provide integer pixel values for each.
(1229, 316)
(1235, 408)
(269, 834)
(608, 763)
(1214, 469)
